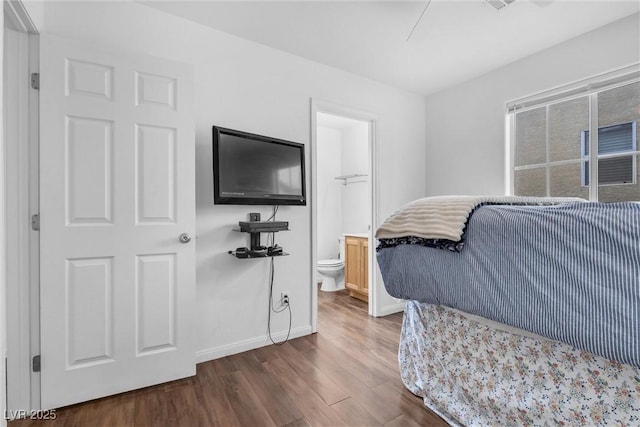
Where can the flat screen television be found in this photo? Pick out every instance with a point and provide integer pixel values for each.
(251, 169)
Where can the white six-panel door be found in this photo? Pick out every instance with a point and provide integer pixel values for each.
(117, 190)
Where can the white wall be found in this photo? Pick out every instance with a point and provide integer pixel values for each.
(329, 151)
(247, 86)
(465, 124)
(35, 10)
(355, 195)
(342, 208)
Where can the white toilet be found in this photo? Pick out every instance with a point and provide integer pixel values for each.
(333, 271)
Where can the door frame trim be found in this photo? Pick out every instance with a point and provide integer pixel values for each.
(17, 13)
(321, 106)
(23, 338)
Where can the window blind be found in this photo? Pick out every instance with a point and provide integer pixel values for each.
(620, 77)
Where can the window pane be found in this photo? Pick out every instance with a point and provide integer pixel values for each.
(567, 120)
(530, 182)
(531, 146)
(618, 193)
(619, 105)
(565, 181)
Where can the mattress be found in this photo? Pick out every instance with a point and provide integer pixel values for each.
(570, 273)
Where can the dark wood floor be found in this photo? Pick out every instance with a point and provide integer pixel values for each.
(346, 374)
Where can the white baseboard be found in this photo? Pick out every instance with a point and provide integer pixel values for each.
(391, 309)
(250, 344)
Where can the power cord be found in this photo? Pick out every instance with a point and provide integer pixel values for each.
(287, 305)
(273, 213)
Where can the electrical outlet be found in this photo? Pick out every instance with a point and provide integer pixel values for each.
(284, 298)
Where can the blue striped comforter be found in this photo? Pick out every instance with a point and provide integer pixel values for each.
(567, 272)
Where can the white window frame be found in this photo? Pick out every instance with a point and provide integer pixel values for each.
(587, 87)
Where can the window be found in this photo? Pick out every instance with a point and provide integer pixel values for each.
(616, 161)
(551, 146)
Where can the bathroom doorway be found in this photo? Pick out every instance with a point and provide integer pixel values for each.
(343, 200)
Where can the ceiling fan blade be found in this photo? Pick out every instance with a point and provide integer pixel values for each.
(420, 19)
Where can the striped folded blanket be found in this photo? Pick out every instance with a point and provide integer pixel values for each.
(445, 217)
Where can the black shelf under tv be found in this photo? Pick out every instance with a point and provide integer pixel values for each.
(248, 255)
(255, 249)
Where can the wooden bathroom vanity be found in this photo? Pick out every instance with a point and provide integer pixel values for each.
(356, 266)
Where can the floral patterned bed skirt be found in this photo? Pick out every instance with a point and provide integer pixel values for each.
(474, 375)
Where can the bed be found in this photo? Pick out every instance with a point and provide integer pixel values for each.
(519, 310)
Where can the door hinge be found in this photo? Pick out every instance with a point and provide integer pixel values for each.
(35, 363)
(35, 222)
(35, 81)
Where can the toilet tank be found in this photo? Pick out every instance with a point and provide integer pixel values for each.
(341, 247)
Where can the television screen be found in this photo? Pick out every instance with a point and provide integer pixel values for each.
(252, 169)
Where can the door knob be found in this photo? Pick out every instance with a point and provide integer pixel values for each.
(184, 238)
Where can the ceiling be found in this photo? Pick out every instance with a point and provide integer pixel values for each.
(455, 41)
